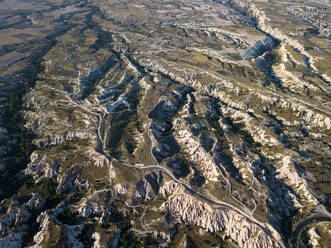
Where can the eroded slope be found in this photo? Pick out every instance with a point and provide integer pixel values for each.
(194, 123)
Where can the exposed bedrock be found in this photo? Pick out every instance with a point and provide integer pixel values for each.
(162, 127)
(260, 47)
(148, 187)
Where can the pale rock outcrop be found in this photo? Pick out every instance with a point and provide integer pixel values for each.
(298, 183)
(246, 233)
(263, 22)
(301, 115)
(99, 159)
(55, 139)
(254, 128)
(44, 220)
(169, 187)
(148, 187)
(215, 54)
(92, 205)
(314, 238)
(67, 181)
(306, 116)
(14, 223)
(289, 79)
(260, 47)
(41, 166)
(187, 78)
(97, 240)
(120, 190)
(87, 208)
(48, 219)
(314, 16)
(197, 154)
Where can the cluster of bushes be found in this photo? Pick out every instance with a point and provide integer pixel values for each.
(129, 239)
(214, 124)
(47, 187)
(238, 128)
(303, 240)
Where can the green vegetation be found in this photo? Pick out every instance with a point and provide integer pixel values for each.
(127, 237)
(193, 236)
(106, 56)
(214, 123)
(303, 239)
(247, 137)
(323, 230)
(289, 223)
(238, 128)
(47, 188)
(235, 56)
(68, 217)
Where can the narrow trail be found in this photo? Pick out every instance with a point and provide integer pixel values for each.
(194, 192)
(303, 224)
(274, 93)
(101, 124)
(248, 214)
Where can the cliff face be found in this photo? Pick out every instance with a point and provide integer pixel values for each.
(180, 124)
(247, 234)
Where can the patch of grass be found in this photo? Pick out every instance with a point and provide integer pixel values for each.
(323, 229)
(235, 56)
(214, 124)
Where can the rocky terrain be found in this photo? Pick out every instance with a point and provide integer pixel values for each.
(165, 123)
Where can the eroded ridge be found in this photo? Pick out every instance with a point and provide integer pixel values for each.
(181, 124)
